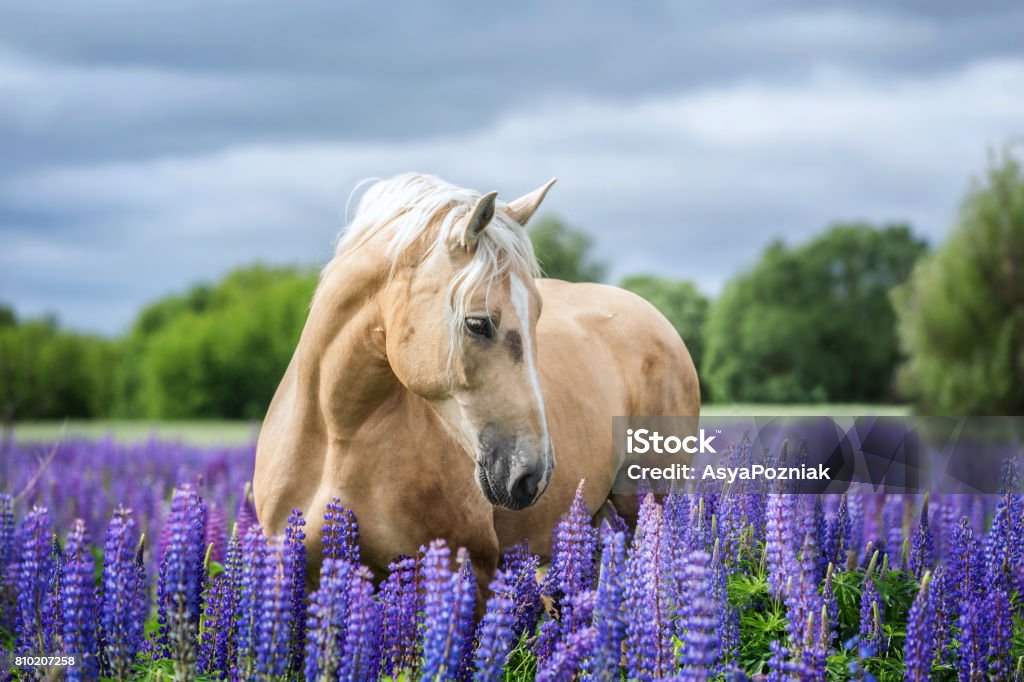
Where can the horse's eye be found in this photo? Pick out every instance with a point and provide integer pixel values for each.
(480, 326)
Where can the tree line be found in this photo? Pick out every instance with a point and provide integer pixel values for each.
(859, 313)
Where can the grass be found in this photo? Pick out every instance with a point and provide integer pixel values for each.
(229, 432)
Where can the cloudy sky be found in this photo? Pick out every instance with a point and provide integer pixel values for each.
(148, 146)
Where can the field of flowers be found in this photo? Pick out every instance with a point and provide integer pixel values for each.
(147, 560)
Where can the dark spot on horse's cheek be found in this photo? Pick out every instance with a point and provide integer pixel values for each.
(514, 344)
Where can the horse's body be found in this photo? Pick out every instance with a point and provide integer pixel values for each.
(358, 416)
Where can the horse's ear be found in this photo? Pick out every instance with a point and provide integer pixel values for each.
(523, 208)
(477, 220)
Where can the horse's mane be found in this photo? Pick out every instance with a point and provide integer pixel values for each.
(412, 208)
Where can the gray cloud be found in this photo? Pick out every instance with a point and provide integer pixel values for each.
(148, 146)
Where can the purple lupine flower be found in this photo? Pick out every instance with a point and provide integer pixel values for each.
(609, 614)
(964, 579)
(520, 567)
(871, 633)
(572, 555)
(1000, 634)
(893, 512)
(973, 662)
(837, 536)
(180, 581)
(328, 620)
(296, 550)
(922, 547)
(780, 541)
(701, 617)
(920, 643)
(648, 629)
(124, 600)
(828, 597)
(448, 612)
(1000, 550)
(729, 617)
(32, 573)
(253, 576)
(216, 533)
(6, 532)
(245, 513)
(216, 618)
(401, 603)
(780, 667)
(566, 659)
(225, 607)
(495, 637)
(340, 533)
(273, 641)
(855, 508)
(78, 605)
(360, 652)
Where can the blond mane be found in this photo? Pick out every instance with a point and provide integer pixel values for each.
(412, 209)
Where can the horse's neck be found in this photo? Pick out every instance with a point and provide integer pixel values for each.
(342, 368)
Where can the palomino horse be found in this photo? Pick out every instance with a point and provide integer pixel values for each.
(433, 397)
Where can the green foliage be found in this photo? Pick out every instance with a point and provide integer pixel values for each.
(681, 302)
(46, 372)
(565, 253)
(961, 314)
(218, 351)
(812, 323)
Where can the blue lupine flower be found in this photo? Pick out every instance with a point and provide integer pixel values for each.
(225, 608)
(973, 662)
(401, 603)
(920, 642)
(78, 605)
(495, 637)
(180, 581)
(253, 576)
(340, 533)
(573, 551)
(609, 612)
(448, 610)
(837, 536)
(1000, 634)
(6, 532)
(328, 620)
(360, 658)
(701, 617)
(780, 541)
(245, 514)
(566, 659)
(648, 630)
(871, 633)
(729, 617)
(216, 533)
(32, 573)
(922, 548)
(828, 597)
(520, 567)
(124, 603)
(296, 550)
(273, 641)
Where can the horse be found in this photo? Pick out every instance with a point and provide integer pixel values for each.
(441, 389)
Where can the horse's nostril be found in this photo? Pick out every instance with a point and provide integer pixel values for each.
(524, 489)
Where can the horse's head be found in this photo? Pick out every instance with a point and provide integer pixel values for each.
(461, 332)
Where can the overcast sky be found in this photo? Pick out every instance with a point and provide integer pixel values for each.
(148, 146)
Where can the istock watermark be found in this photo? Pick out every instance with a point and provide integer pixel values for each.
(643, 441)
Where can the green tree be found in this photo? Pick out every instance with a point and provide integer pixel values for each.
(961, 313)
(564, 252)
(681, 302)
(219, 351)
(812, 323)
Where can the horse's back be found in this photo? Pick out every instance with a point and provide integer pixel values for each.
(603, 352)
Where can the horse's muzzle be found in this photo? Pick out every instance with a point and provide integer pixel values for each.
(507, 481)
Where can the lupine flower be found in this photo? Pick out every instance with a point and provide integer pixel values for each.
(360, 652)
(780, 541)
(401, 603)
(245, 514)
(837, 536)
(920, 642)
(1000, 634)
(922, 549)
(180, 581)
(871, 634)
(296, 550)
(6, 532)
(521, 569)
(449, 603)
(648, 643)
(495, 637)
(32, 573)
(273, 642)
(124, 599)
(328, 620)
(574, 548)
(1001, 552)
(973, 663)
(609, 613)
(254, 575)
(340, 533)
(566, 659)
(78, 605)
(701, 619)
(828, 597)
(223, 609)
(729, 617)
(216, 533)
